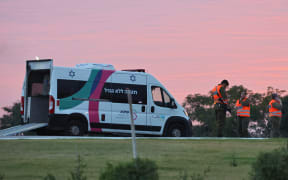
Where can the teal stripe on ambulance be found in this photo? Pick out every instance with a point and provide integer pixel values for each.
(83, 93)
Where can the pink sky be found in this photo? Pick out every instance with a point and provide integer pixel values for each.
(188, 45)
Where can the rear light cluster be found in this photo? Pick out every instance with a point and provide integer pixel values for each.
(22, 105)
(51, 105)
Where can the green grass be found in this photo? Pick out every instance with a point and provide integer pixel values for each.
(33, 159)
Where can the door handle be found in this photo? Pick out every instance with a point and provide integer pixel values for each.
(143, 108)
(152, 109)
(103, 117)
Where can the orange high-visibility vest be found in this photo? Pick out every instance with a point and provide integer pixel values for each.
(217, 95)
(273, 111)
(242, 111)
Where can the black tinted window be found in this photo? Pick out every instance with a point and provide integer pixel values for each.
(67, 88)
(117, 93)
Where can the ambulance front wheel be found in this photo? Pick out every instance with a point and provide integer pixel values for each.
(75, 128)
(176, 130)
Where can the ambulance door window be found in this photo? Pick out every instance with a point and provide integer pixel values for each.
(167, 99)
(157, 95)
(161, 97)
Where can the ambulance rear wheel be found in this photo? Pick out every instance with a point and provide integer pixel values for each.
(176, 130)
(75, 128)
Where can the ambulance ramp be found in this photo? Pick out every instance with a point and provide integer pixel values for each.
(21, 128)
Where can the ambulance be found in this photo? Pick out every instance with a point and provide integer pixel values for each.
(93, 98)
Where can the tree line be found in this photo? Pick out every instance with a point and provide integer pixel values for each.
(201, 110)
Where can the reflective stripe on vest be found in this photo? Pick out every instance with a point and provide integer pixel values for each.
(273, 111)
(217, 95)
(242, 111)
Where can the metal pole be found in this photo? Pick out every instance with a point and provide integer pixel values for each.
(132, 125)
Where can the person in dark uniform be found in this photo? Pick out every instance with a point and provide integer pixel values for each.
(243, 115)
(275, 115)
(220, 105)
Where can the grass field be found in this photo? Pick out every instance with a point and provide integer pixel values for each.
(33, 159)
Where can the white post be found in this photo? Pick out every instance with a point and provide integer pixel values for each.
(132, 125)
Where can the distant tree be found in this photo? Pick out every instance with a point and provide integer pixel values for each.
(11, 117)
(234, 93)
(200, 109)
(284, 121)
(259, 104)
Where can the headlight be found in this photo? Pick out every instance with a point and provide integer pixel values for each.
(185, 112)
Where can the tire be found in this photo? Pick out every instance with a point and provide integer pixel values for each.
(75, 128)
(176, 130)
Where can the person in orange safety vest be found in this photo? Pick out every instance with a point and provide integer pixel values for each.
(220, 105)
(275, 115)
(243, 115)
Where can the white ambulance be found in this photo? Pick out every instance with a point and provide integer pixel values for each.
(93, 98)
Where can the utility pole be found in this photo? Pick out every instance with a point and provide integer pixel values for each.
(132, 125)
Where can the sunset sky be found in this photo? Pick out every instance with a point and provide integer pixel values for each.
(189, 45)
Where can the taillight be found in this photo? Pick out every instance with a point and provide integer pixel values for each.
(51, 105)
(22, 105)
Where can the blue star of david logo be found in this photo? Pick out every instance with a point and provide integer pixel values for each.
(71, 73)
(133, 78)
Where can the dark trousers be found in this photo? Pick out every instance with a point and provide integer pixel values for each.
(220, 121)
(275, 130)
(243, 123)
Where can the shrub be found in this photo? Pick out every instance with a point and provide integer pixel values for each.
(2, 176)
(49, 177)
(139, 169)
(78, 172)
(271, 165)
(233, 161)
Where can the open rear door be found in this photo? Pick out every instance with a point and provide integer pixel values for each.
(36, 90)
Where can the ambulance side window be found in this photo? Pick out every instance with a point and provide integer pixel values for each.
(167, 99)
(157, 95)
(117, 93)
(161, 97)
(66, 88)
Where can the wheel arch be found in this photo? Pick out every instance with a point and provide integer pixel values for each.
(178, 120)
(80, 117)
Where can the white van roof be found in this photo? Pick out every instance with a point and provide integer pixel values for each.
(95, 66)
